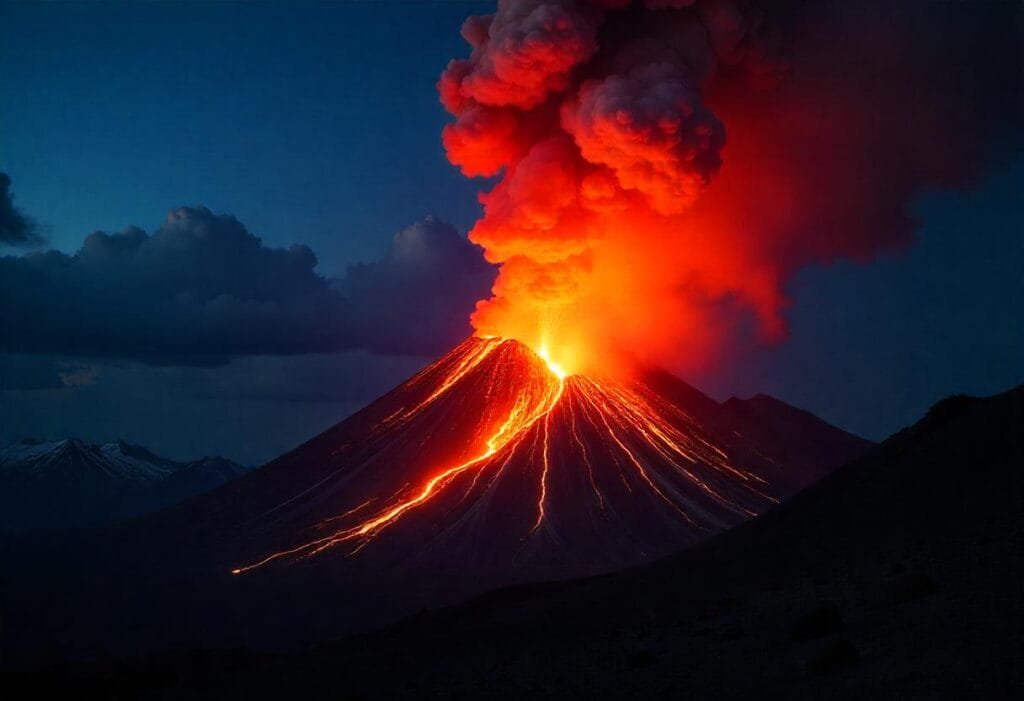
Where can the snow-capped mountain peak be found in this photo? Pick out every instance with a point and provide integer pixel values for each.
(136, 462)
(71, 482)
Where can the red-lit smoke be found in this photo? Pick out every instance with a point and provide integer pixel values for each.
(664, 166)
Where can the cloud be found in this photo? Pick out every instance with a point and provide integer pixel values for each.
(16, 229)
(203, 289)
(77, 375)
(418, 298)
(658, 164)
(21, 372)
(651, 128)
(349, 376)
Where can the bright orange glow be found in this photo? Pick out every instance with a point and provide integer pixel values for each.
(554, 367)
(648, 438)
(600, 165)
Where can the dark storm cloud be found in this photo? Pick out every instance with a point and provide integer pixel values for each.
(16, 229)
(418, 298)
(202, 289)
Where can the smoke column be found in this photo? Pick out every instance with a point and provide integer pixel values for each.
(663, 167)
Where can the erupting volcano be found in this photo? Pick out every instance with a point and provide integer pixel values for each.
(658, 177)
(663, 187)
(493, 462)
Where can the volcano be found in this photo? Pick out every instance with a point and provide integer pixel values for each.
(490, 467)
(493, 464)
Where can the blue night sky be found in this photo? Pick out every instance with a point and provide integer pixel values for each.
(314, 123)
(319, 125)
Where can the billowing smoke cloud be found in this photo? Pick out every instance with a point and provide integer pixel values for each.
(203, 289)
(16, 229)
(666, 165)
(651, 129)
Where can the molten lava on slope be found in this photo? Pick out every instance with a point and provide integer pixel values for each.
(491, 460)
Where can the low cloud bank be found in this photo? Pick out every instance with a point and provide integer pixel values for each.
(202, 289)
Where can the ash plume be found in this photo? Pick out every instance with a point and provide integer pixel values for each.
(667, 165)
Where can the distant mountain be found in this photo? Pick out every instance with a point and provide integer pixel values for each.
(200, 476)
(71, 483)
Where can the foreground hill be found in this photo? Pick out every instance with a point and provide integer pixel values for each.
(898, 576)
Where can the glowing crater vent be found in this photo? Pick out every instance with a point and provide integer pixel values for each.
(554, 367)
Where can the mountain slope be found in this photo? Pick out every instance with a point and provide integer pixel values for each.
(71, 483)
(483, 470)
(898, 576)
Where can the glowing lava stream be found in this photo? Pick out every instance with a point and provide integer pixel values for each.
(520, 419)
(638, 427)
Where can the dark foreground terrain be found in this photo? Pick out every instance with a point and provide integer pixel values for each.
(900, 575)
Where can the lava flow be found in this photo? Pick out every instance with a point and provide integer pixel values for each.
(494, 433)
